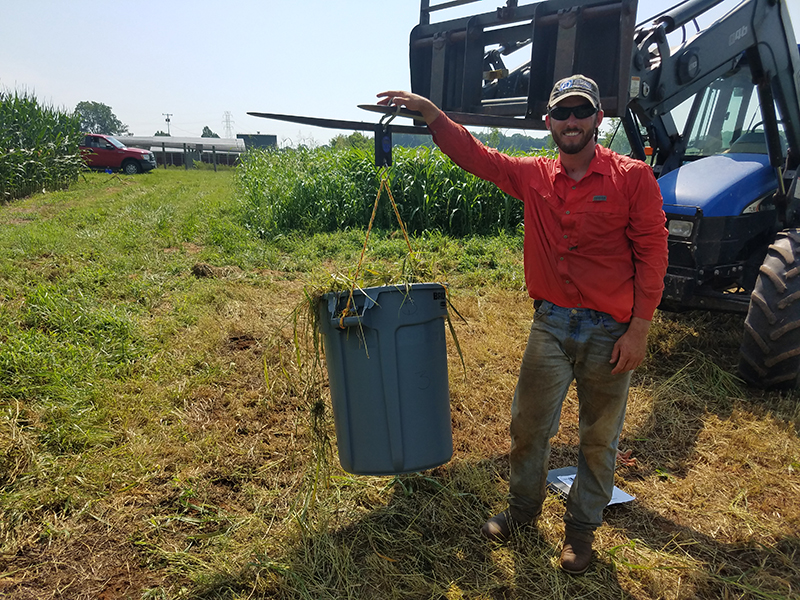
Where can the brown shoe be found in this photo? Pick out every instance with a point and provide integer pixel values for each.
(576, 555)
(501, 526)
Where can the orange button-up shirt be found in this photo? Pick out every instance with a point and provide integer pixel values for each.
(597, 243)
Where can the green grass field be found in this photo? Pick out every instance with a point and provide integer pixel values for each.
(165, 428)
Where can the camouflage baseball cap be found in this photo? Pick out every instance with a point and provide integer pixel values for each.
(576, 85)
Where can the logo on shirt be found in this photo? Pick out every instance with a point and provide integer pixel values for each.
(599, 199)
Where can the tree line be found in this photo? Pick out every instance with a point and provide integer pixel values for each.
(495, 138)
(96, 117)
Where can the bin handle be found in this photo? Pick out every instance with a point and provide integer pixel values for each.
(351, 319)
(343, 322)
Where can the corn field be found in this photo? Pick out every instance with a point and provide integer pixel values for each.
(323, 189)
(38, 146)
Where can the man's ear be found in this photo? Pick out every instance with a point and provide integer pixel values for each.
(599, 118)
(547, 122)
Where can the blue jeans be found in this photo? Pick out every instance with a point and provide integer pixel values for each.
(567, 344)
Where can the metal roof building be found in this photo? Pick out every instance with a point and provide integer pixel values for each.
(156, 143)
(174, 150)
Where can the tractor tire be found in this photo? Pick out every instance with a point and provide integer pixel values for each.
(770, 352)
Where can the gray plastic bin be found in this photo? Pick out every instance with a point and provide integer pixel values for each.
(388, 377)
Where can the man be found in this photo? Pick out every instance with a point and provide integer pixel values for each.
(595, 255)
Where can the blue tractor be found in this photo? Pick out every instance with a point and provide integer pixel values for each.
(728, 172)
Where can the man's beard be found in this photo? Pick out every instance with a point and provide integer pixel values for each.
(572, 145)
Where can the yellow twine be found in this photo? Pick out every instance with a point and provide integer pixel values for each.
(384, 185)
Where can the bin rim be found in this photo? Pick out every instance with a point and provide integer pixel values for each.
(366, 291)
(372, 294)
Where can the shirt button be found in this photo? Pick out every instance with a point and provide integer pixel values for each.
(560, 258)
(579, 304)
(567, 212)
(565, 236)
(567, 281)
(573, 187)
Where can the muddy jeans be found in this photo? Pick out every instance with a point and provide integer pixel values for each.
(566, 344)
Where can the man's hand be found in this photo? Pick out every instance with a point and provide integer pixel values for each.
(411, 101)
(630, 349)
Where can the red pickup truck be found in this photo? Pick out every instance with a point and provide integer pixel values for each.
(107, 152)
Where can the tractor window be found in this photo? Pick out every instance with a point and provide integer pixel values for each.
(680, 114)
(732, 125)
(722, 114)
(705, 139)
(726, 117)
(749, 134)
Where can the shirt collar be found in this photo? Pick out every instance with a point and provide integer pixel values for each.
(601, 163)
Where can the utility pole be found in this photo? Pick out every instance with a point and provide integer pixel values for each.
(168, 115)
(227, 122)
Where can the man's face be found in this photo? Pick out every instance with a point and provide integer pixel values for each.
(573, 134)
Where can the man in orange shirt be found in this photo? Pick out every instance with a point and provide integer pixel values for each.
(595, 255)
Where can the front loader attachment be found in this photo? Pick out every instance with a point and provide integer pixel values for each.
(460, 64)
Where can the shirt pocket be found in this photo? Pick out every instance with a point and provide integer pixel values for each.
(602, 224)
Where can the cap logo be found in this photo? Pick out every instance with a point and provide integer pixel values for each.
(578, 83)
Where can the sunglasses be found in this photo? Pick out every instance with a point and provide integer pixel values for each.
(562, 113)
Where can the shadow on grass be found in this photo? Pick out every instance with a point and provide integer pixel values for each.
(419, 540)
(418, 537)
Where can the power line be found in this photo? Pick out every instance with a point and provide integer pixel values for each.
(227, 123)
(168, 115)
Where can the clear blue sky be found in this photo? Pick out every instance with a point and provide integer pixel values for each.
(200, 59)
